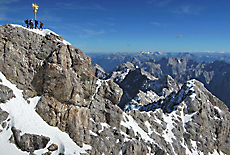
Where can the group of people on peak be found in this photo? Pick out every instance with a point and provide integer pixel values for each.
(30, 24)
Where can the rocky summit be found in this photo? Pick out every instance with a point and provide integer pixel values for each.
(54, 101)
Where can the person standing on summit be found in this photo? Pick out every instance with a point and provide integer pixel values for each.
(41, 25)
(36, 24)
(27, 23)
(31, 23)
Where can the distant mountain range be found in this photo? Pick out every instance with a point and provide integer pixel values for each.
(212, 69)
(114, 59)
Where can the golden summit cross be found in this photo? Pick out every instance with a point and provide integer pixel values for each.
(35, 7)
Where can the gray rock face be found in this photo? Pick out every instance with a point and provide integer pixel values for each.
(135, 148)
(140, 87)
(207, 112)
(20, 56)
(29, 142)
(176, 102)
(99, 72)
(3, 115)
(5, 94)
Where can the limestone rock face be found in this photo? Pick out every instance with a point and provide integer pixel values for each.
(207, 112)
(99, 72)
(140, 87)
(135, 148)
(189, 112)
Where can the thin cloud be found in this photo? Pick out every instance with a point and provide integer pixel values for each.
(187, 9)
(89, 32)
(5, 8)
(159, 24)
(180, 35)
(179, 9)
(8, 2)
(5, 5)
(49, 17)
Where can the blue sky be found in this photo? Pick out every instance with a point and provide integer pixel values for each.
(130, 25)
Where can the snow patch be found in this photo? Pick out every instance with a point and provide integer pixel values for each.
(188, 117)
(93, 133)
(103, 125)
(98, 86)
(131, 123)
(42, 32)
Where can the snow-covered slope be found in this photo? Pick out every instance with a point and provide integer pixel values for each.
(23, 116)
(180, 121)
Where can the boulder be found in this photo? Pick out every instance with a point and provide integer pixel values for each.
(5, 94)
(29, 142)
(3, 115)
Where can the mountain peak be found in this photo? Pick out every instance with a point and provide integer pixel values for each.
(51, 102)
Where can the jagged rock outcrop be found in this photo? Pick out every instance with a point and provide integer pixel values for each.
(140, 87)
(5, 94)
(122, 70)
(3, 117)
(214, 74)
(28, 142)
(196, 117)
(99, 72)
